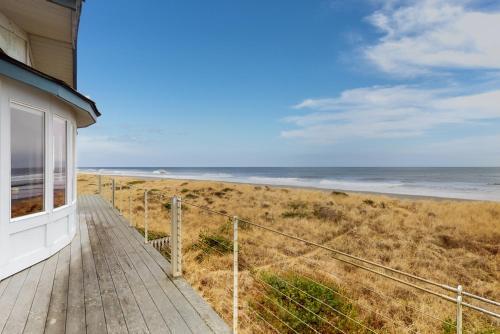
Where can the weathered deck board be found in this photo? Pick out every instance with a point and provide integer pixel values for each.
(40, 306)
(76, 297)
(9, 296)
(20, 312)
(3, 285)
(94, 311)
(56, 319)
(106, 281)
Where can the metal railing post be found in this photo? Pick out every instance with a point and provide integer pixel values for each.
(146, 217)
(99, 182)
(235, 274)
(459, 309)
(113, 192)
(176, 234)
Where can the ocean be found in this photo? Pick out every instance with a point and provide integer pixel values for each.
(474, 183)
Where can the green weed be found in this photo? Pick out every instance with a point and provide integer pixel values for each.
(306, 306)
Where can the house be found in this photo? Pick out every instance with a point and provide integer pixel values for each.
(40, 112)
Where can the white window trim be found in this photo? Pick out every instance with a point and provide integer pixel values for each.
(26, 217)
(66, 189)
(29, 108)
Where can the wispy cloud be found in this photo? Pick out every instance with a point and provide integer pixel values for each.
(419, 37)
(389, 112)
(422, 36)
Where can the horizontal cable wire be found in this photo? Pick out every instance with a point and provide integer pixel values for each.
(364, 286)
(329, 306)
(262, 318)
(483, 299)
(339, 294)
(366, 307)
(443, 286)
(480, 309)
(277, 317)
(213, 248)
(293, 315)
(359, 304)
(302, 306)
(253, 323)
(291, 299)
(207, 209)
(448, 298)
(218, 251)
(446, 287)
(250, 269)
(387, 276)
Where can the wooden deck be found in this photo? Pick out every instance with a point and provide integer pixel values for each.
(106, 281)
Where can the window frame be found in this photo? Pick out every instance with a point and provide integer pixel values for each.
(72, 132)
(30, 109)
(66, 189)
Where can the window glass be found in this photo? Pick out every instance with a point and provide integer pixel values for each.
(72, 163)
(60, 162)
(27, 162)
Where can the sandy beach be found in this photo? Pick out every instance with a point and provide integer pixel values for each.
(449, 241)
(351, 191)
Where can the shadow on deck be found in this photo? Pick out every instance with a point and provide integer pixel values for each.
(106, 281)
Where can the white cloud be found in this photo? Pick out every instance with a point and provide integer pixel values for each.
(434, 34)
(389, 112)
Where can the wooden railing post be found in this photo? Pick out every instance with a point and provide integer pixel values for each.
(99, 183)
(176, 235)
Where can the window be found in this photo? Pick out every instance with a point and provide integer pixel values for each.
(27, 161)
(60, 161)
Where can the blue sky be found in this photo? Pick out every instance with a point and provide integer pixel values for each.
(291, 83)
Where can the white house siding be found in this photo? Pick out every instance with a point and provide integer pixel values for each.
(27, 240)
(14, 41)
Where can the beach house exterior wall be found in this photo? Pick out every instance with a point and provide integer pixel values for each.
(40, 113)
(14, 41)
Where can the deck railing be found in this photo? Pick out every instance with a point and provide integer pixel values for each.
(282, 302)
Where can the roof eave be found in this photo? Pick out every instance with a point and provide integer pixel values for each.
(18, 71)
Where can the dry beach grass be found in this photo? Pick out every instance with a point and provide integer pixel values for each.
(448, 241)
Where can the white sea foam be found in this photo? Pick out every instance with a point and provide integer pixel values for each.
(458, 190)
